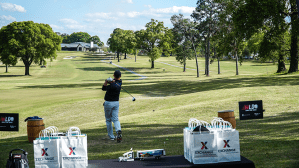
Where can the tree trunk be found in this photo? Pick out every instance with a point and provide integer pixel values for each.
(27, 69)
(237, 68)
(236, 51)
(294, 40)
(125, 56)
(195, 58)
(136, 55)
(6, 68)
(218, 65)
(153, 64)
(184, 70)
(281, 64)
(208, 57)
(118, 56)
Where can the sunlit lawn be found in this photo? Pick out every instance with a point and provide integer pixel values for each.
(68, 93)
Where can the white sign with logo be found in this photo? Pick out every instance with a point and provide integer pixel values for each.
(46, 153)
(73, 150)
(228, 146)
(204, 148)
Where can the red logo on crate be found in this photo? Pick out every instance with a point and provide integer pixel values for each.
(226, 143)
(2, 119)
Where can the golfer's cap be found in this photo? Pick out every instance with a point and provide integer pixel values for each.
(117, 74)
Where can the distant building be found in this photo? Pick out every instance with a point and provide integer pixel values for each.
(79, 46)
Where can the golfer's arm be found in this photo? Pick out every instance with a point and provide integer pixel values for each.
(104, 87)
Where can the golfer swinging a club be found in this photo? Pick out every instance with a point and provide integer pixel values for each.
(111, 105)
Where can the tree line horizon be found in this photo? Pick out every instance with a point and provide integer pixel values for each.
(216, 28)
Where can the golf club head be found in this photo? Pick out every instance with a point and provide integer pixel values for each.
(133, 99)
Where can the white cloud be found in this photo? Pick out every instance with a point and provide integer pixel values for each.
(73, 24)
(56, 28)
(101, 15)
(95, 20)
(148, 6)
(174, 9)
(69, 21)
(127, 1)
(7, 18)
(11, 7)
(160, 12)
(133, 14)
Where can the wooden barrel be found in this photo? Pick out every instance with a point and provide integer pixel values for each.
(34, 126)
(228, 115)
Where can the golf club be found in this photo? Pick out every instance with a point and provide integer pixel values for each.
(133, 99)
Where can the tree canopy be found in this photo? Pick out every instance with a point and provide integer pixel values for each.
(81, 37)
(117, 41)
(181, 32)
(152, 39)
(270, 16)
(28, 41)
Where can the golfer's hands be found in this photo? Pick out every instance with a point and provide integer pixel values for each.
(106, 82)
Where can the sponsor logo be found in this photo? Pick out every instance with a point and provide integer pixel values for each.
(72, 158)
(204, 145)
(47, 158)
(226, 150)
(244, 115)
(44, 152)
(252, 107)
(204, 152)
(226, 143)
(72, 150)
(7, 120)
(256, 114)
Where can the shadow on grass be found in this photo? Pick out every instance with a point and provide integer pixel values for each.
(2, 76)
(176, 87)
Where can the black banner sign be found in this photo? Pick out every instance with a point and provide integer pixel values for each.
(251, 110)
(9, 122)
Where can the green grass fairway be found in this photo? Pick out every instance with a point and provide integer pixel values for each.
(68, 93)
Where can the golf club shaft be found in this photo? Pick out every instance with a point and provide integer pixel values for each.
(124, 89)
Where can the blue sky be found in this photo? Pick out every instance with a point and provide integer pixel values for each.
(96, 17)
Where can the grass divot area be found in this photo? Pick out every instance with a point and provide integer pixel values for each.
(68, 93)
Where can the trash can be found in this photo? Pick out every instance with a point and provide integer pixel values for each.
(34, 126)
(228, 115)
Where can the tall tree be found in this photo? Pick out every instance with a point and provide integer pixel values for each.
(117, 41)
(182, 35)
(206, 14)
(130, 42)
(252, 16)
(167, 42)
(28, 41)
(151, 39)
(275, 47)
(229, 37)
